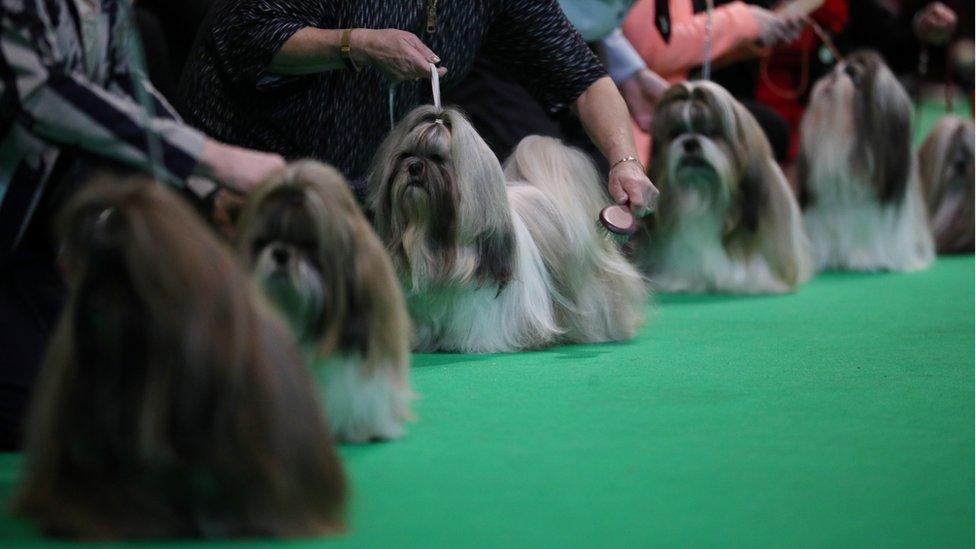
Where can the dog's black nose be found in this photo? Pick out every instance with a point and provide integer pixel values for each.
(692, 145)
(415, 167)
(280, 255)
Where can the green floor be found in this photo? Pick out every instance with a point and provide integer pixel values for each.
(841, 416)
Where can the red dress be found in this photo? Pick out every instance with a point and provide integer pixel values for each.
(785, 69)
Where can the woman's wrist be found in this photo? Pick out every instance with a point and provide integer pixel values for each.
(625, 160)
(359, 46)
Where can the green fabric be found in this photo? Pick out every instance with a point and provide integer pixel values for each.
(840, 416)
(928, 113)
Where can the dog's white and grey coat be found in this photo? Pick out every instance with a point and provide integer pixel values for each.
(946, 169)
(499, 259)
(317, 257)
(863, 208)
(728, 221)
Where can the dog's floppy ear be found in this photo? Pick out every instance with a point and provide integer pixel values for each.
(765, 206)
(883, 115)
(931, 159)
(779, 228)
(484, 216)
(377, 324)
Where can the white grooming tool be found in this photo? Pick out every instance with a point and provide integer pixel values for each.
(435, 89)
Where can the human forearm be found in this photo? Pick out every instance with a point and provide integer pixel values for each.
(605, 117)
(606, 120)
(399, 54)
(309, 51)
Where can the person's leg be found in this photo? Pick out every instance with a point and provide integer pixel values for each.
(31, 296)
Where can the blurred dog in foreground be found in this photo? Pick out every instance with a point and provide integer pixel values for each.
(317, 257)
(173, 401)
(728, 221)
(493, 259)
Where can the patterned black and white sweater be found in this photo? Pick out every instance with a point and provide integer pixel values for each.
(341, 116)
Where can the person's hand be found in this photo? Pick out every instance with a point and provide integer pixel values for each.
(235, 168)
(629, 184)
(776, 28)
(641, 92)
(399, 54)
(935, 24)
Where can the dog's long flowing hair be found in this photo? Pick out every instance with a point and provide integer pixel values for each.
(728, 221)
(493, 258)
(173, 401)
(858, 179)
(946, 169)
(306, 240)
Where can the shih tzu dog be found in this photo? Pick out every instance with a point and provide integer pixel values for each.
(173, 401)
(859, 185)
(728, 220)
(946, 166)
(493, 259)
(318, 258)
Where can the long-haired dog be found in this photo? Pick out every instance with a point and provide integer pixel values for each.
(314, 252)
(498, 260)
(173, 401)
(858, 180)
(728, 220)
(946, 168)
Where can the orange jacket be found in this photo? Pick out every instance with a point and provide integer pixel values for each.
(732, 26)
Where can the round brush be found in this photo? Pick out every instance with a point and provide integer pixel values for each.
(619, 223)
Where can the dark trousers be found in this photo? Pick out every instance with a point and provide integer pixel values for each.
(504, 113)
(31, 296)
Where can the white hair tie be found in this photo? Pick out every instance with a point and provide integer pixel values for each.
(435, 88)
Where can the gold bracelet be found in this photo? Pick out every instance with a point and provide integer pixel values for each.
(345, 50)
(627, 159)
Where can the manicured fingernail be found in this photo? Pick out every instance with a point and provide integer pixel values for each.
(435, 59)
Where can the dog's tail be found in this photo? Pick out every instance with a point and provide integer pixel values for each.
(564, 174)
(604, 297)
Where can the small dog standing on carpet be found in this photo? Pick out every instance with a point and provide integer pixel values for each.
(499, 260)
(728, 221)
(173, 401)
(946, 166)
(318, 258)
(859, 184)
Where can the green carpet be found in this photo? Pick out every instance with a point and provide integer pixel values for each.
(840, 416)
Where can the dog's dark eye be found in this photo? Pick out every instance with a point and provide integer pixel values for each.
(675, 133)
(436, 158)
(855, 73)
